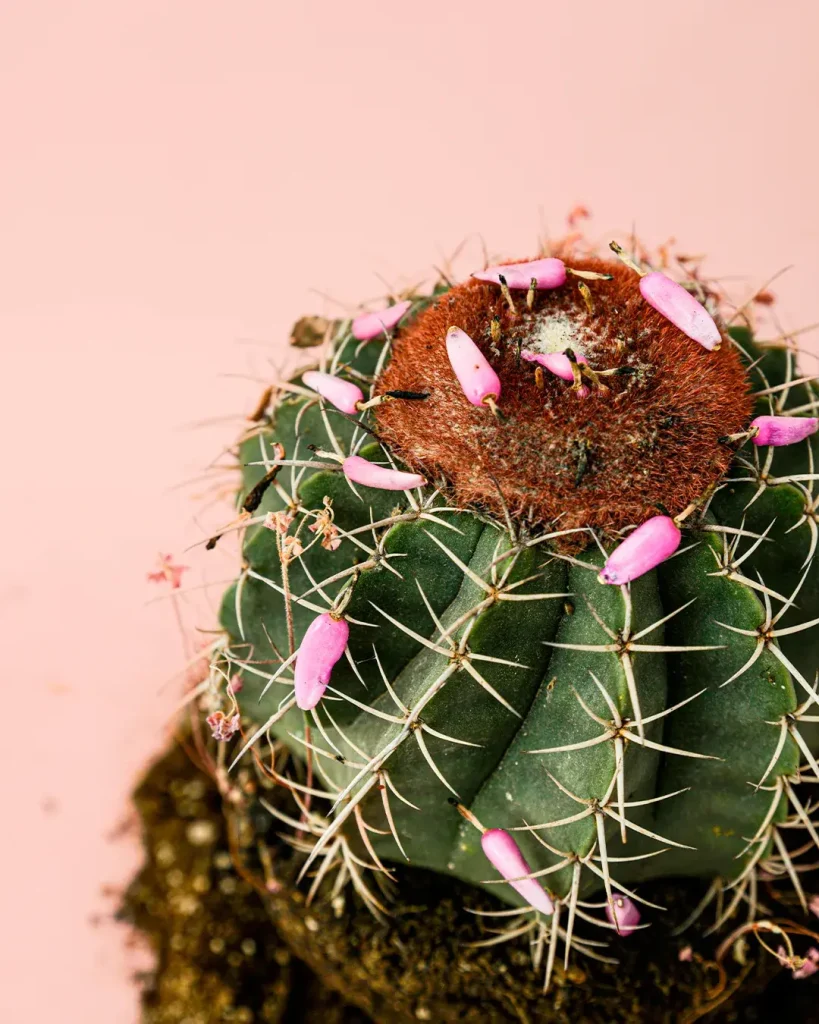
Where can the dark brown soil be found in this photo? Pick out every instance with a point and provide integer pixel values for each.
(230, 951)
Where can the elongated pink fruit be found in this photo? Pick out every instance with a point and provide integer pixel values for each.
(360, 471)
(323, 644)
(343, 394)
(371, 325)
(624, 915)
(681, 308)
(503, 853)
(782, 430)
(477, 378)
(643, 550)
(555, 362)
(548, 273)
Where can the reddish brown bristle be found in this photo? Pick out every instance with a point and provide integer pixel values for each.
(641, 440)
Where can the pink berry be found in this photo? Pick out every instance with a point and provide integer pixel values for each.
(322, 646)
(781, 430)
(547, 273)
(360, 471)
(477, 378)
(371, 325)
(555, 362)
(343, 394)
(681, 308)
(503, 853)
(642, 551)
(624, 915)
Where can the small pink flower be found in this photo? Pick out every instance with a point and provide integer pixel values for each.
(644, 549)
(360, 471)
(624, 915)
(681, 308)
(343, 394)
(371, 325)
(548, 273)
(222, 726)
(322, 646)
(235, 685)
(555, 362)
(477, 378)
(278, 521)
(504, 855)
(781, 430)
(685, 955)
(168, 572)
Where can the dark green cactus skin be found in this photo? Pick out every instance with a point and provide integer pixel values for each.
(719, 809)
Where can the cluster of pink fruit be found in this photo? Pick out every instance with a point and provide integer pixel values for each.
(646, 547)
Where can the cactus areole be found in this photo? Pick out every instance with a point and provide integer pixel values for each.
(590, 625)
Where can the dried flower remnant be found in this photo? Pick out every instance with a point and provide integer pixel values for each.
(168, 572)
(279, 522)
(223, 727)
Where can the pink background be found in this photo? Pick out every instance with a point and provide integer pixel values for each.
(176, 179)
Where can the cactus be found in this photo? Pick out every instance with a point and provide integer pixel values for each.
(446, 613)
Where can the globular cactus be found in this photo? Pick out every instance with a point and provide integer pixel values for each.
(530, 585)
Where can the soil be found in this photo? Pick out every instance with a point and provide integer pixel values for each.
(236, 943)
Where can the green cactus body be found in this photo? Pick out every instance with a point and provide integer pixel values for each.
(487, 666)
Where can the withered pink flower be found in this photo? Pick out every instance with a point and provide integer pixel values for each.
(292, 547)
(644, 549)
(168, 572)
(503, 853)
(343, 394)
(322, 646)
(360, 471)
(782, 430)
(371, 325)
(810, 966)
(476, 377)
(681, 308)
(222, 726)
(548, 272)
(330, 536)
(278, 521)
(800, 967)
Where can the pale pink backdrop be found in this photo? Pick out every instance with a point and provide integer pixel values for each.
(176, 178)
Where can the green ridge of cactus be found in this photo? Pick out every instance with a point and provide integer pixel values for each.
(487, 666)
